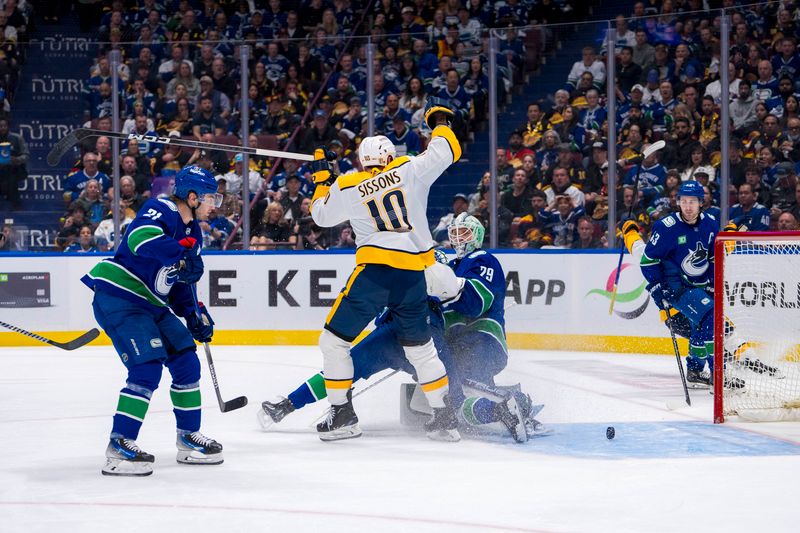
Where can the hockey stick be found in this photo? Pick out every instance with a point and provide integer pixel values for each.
(83, 340)
(230, 405)
(75, 136)
(650, 150)
(356, 395)
(678, 357)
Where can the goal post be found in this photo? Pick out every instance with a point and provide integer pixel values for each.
(757, 326)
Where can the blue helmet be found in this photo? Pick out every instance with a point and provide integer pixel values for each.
(692, 188)
(194, 178)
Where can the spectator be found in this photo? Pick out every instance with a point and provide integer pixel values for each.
(628, 72)
(216, 229)
(748, 212)
(652, 178)
(171, 159)
(91, 198)
(129, 198)
(530, 231)
(743, 110)
(714, 89)
(752, 176)
(460, 205)
(231, 205)
(273, 228)
(766, 86)
(644, 54)
(13, 164)
(84, 242)
(517, 198)
(319, 133)
(205, 120)
(221, 102)
(586, 235)
(677, 153)
(76, 182)
(292, 199)
(770, 133)
(346, 239)
(71, 225)
(562, 186)
(312, 237)
(406, 141)
(697, 160)
(516, 150)
(782, 194)
(168, 69)
(234, 178)
(787, 221)
(562, 221)
(8, 239)
(104, 233)
(589, 63)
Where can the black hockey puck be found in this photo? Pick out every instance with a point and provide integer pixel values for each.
(610, 432)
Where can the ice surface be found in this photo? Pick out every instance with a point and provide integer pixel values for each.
(665, 470)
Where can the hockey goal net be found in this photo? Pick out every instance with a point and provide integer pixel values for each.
(757, 326)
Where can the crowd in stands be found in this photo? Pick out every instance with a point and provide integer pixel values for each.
(553, 171)
(180, 77)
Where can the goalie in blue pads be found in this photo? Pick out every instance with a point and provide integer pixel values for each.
(470, 291)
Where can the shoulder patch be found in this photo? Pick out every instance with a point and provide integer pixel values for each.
(477, 253)
(669, 221)
(169, 203)
(346, 181)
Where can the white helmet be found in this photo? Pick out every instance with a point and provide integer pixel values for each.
(375, 151)
(466, 234)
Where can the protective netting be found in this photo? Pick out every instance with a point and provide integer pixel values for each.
(761, 309)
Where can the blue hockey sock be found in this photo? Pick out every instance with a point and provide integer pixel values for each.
(134, 399)
(312, 390)
(185, 391)
(479, 411)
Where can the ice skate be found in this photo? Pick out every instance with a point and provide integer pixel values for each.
(511, 417)
(197, 449)
(698, 380)
(443, 424)
(342, 422)
(125, 458)
(273, 412)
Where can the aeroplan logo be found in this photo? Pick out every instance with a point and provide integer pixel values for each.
(629, 297)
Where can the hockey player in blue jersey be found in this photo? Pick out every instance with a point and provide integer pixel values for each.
(678, 266)
(472, 348)
(138, 296)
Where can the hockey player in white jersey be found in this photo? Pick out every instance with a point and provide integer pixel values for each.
(386, 204)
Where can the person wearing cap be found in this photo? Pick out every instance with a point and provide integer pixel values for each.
(782, 194)
(74, 220)
(460, 205)
(633, 98)
(651, 93)
(408, 22)
(319, 133)
(748, 212)
(652, 178)
(352, 122)
(235, 177)
(221, 102)
(405, 140)
(292, 198)
(231, 204)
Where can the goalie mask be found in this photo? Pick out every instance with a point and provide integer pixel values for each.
(466, 234)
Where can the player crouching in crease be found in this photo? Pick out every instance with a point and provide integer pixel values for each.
(386, 204)
(472, 346)
(137, 295)
(737, 349)
(677, 263)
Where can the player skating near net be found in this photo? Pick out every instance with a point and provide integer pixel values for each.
(386, 204)
(138, 296)
(472, 348)
(737, 349)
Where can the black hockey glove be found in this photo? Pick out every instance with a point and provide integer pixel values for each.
(190, 267)
(201, 327)
(662, 296)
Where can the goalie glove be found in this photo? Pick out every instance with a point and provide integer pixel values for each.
(321, 168)
(443, 283)
(437, 112)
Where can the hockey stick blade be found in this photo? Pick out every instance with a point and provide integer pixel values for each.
(236, 403)
(653, 148)
(76, 343)
(63, 146)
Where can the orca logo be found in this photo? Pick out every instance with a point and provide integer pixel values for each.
(696, 263)
(165, 279)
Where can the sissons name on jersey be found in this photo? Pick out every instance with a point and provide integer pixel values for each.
(381, 181)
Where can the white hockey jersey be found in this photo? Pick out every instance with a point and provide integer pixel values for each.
(387, 207)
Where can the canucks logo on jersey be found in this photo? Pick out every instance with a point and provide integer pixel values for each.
(696, 262)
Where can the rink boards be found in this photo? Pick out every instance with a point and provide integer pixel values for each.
(555, 300)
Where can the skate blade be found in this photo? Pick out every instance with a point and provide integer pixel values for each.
(697, 386)
(119, 467)
(535, 410)
(193, 457)
(347, 432)
(444, 435)
(264, 420)
(537, 429)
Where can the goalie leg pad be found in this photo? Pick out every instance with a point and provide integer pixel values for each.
(337, 365)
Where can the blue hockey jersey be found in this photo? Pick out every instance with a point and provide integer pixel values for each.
(679, 255)
(143, 268)
(479, 308)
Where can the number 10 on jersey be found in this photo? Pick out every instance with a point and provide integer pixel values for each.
(391, 213)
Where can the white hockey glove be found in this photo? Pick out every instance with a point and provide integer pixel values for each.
(443, 282)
